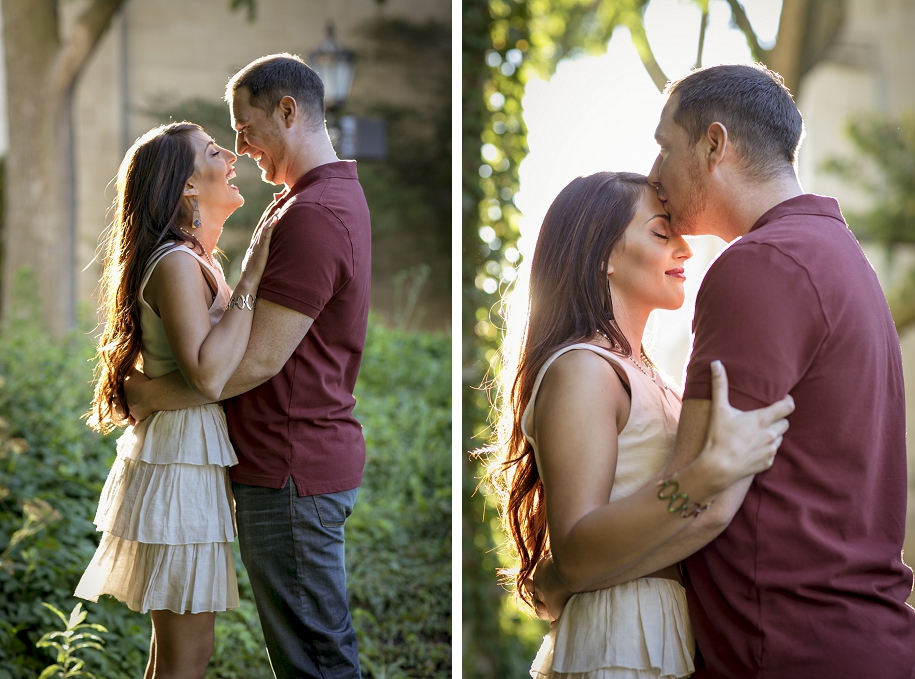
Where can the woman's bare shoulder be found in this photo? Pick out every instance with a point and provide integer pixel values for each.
(177, 270)
(583, 362)
(170, 262)
(582, 371)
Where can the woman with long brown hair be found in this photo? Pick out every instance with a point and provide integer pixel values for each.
(166, 512)
(586, 432)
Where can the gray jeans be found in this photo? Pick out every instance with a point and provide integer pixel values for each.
(293, 550)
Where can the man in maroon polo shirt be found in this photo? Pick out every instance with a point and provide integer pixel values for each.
(808, 579)
(289, 405)
(795, 573)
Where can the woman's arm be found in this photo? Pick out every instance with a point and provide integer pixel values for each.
(580, 409)
(207, 356)
(594, 542)
(550, 593)
(276, 331)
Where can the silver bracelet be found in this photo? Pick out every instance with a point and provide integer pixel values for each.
(242, 302)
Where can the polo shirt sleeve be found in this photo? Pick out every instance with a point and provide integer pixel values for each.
(759, 314)
(311, 259)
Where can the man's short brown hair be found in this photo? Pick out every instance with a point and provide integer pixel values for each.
(275, 76)
(754, 105)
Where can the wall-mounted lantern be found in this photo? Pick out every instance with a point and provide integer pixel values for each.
(363, 138)
(334, 63)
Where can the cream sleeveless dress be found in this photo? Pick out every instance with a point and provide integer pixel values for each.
(167, 511)
(640, 629)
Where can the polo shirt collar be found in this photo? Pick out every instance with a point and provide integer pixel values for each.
(805, 204)
(341, 169)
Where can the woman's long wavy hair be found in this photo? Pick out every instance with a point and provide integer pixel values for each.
(148, 210)
(569, 302)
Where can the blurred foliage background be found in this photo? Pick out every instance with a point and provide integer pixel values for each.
(506, 43)
(53, 467)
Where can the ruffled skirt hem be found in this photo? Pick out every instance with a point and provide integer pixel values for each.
(637, 630)
(167, 503)
(611, 673)
(193, 578)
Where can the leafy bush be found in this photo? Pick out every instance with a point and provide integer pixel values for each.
(886, 148)
(62, 467)
(399, 536)
(52, 468)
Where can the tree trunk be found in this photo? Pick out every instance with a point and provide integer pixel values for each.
(40, 206)
(806, 31)
(785, 56)
(38, 175)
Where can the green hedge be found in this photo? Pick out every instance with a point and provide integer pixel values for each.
(52, 468)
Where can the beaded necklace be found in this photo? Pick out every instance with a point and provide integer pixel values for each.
(642, 355)
(205, 253)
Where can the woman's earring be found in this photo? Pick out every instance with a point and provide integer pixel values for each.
(195, 222)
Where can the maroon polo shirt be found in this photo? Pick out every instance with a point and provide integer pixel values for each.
(300, 422)
(808, 579)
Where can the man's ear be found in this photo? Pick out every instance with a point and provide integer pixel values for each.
(288, 110)
(716, 138)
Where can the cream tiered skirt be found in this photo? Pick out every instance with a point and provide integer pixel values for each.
(638, 630)
(167, 517)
